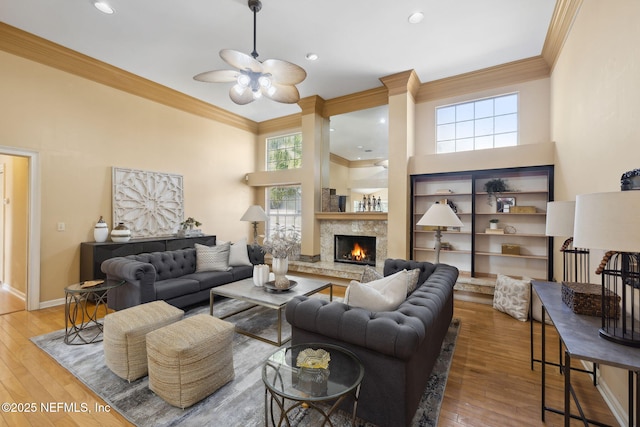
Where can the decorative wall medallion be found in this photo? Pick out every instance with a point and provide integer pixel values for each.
(149, 203)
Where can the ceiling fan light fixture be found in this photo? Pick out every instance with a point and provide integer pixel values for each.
(274, 78)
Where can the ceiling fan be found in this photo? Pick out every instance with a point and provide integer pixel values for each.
(273, 78)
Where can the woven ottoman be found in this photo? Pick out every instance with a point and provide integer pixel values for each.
(190, 359)
(125, 348)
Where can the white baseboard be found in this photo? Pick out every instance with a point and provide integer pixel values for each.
(14, 292)
(51, 303)
(614, 404)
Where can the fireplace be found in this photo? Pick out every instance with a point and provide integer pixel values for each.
(355, 249)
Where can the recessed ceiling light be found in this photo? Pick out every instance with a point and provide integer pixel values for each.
(312, 56)
(416, 17)
(332, 130)
(103, 7)
(383, 120)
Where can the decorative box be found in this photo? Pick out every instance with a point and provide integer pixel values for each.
(522, 209)
(508, 249)
(586, 298)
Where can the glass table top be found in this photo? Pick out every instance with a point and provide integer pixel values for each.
(282, 375)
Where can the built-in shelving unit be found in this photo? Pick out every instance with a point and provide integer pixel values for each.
(473, 250)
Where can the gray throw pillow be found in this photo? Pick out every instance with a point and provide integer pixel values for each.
(212, 258)
(412, 279)
(369, 274)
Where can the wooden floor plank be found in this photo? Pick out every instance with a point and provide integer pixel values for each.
(490, 383)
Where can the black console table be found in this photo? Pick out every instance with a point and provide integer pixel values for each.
(92, 254)
(579, 334)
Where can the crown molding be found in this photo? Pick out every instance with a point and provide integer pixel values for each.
(311, 105)
(293, 121)
(564, 14)
(339, 160)
(356, 101)
(34, 48)
(500, 75)
(400, 83)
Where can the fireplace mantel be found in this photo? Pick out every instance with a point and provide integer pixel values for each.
(352, 216)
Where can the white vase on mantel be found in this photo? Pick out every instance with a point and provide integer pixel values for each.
(101, 231)
(280, 266)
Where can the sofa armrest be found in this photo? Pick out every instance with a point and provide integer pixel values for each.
(391, 332)
(139, 277)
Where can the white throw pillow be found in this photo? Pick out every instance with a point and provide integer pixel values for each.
(238, 254)
(511, 296)
(384, 294)
(212, 258)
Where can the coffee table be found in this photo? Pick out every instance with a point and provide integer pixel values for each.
(285, 381)
(245, 290)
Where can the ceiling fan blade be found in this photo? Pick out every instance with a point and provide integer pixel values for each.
(243, 98)
(218, 76)
(284, 72)
(286, 94)
(240, 60)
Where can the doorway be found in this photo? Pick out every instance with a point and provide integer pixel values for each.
(19, 230)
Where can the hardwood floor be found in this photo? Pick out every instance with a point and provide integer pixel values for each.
(490, 383)
(9, 302)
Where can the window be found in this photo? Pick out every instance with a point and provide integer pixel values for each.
(284, 152)
(476, 125)
(284, 206)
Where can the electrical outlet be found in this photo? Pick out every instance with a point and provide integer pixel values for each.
(61, 226)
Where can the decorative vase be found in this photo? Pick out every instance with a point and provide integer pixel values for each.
(120, 233)
(313, 381)
(100, 231)
(280, 266)
(493, 225)
(260, 274)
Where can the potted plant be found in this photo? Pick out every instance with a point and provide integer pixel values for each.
(493, 224)
(493, 187)
(186, 227)
(283, 244)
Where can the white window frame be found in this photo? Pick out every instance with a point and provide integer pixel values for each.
(288, 150)
(468, 125)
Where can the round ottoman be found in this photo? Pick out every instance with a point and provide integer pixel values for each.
(190, 359)
(125, 349)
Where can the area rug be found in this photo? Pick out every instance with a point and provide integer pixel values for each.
(238, 403)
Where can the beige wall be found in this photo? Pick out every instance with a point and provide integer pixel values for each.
(595, 106)
(82, 129)
(16, 173)
(533, 111)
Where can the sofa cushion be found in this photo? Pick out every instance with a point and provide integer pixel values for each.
(210, 279)
(511, 296)
(370, 274)
(171, 288)
(394, 265)
(412, 280)
(169, 264)
(384, 294)
(212, 258)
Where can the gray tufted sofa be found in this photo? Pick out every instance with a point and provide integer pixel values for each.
(170, 276)
(398, 348)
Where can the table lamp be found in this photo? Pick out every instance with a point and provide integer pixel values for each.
(560, 223)
(609, 221)
(254, 214)
(440, 215)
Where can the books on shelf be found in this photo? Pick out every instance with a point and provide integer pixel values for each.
(494, 230)
(444, 191)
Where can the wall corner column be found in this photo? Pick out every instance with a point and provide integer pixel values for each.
(315, 171)
(402, 88)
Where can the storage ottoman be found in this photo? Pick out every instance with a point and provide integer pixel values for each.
(125, 349)
(190, 359)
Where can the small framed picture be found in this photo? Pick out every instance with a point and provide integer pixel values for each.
(504, 203)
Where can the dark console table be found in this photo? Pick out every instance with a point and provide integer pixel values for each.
(579, 334)
(92, 254)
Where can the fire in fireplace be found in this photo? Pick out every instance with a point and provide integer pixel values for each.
(355, 249)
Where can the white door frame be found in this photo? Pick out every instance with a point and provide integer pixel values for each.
(33, 255)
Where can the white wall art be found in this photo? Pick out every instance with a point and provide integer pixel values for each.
(149, 203)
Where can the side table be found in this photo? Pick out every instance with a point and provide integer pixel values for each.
(81, 308)
(285, 381)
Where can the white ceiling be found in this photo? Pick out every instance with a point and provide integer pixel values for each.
(358, 41)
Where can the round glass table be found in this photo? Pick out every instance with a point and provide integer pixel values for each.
(320, 389)
(84, 302)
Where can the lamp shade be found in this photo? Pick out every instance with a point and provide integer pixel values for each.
(440, 215)
(608, 221)
(254, 213)
(560, 216)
